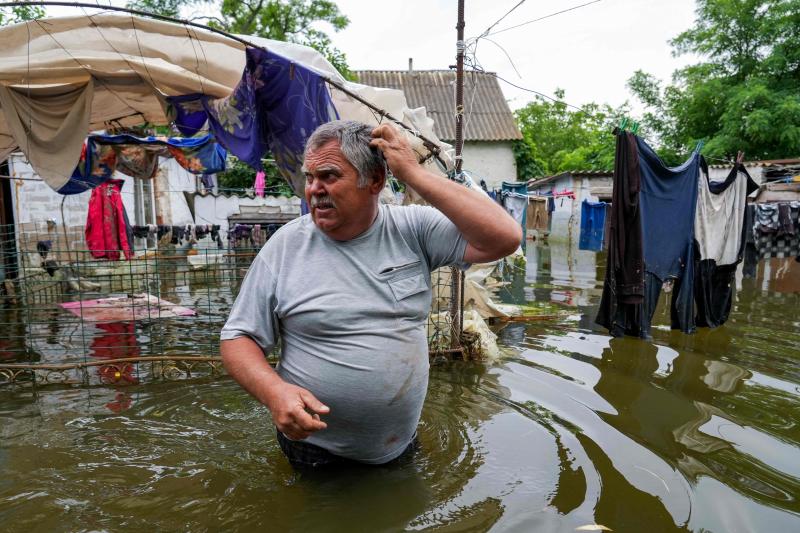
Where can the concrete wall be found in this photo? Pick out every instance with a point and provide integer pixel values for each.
(35, 203)
(492, 161)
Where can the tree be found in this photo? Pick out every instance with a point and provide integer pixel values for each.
(744, 95)
(295, 21)
(20, 13)
(240, 176)
(168, 8)
(557, 138)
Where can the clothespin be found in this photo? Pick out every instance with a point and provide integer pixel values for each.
(740, 157)
(700, 145)
(635, 128)
(622, 123)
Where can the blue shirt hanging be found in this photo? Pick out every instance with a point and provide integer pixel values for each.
(593, 221)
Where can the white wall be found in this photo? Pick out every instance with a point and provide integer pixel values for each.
(215, 209)
(492, 161)
(35, 202)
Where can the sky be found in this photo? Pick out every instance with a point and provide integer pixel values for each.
(589, 52)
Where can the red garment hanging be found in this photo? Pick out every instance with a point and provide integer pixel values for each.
(106, 233)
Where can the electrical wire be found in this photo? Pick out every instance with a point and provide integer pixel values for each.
(544, 17)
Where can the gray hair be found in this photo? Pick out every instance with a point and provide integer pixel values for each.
(353, 138)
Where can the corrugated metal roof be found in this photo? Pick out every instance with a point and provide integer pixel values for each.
(488, 117)
(762, 163)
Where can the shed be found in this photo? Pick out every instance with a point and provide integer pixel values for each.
(592, 185)
(490, 128)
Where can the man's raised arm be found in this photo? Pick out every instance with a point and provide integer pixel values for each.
(490, 232)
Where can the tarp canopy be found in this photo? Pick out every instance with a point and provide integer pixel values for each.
(62, 78)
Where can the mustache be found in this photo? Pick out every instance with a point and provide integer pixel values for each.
(322, 201)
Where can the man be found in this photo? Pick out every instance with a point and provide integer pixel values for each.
(347, 290)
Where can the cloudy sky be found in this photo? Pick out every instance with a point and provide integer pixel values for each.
(589, 52)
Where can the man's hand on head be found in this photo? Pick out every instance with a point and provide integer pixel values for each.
(400, 157)
(295, 411)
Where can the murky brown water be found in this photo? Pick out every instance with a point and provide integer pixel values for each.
(572, 428)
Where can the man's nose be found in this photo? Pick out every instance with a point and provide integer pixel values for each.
(314, 186)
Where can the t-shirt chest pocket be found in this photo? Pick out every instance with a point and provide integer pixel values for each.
(406, 279)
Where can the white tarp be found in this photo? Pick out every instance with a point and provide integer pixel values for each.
(134, 63)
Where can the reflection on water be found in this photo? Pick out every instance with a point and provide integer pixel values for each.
(682, 432)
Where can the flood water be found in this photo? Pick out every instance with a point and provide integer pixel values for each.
(570, 428)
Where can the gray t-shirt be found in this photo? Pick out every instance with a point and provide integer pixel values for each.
(351, 316)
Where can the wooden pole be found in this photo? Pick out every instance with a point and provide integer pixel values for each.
(456, 287)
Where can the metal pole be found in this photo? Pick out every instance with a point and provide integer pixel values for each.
(457, 287)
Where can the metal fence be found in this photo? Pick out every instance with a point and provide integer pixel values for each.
(66, 315)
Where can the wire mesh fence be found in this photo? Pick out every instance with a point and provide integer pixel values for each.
(67, 315)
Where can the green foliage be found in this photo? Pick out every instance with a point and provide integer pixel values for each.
(745, 95)
(20, 13)
(240, 176)
(287, 20)
(557, 138)
(168, 8)
(295, 21)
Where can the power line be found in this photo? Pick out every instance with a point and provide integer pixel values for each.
(543, 95)
(543, 18)
(487, 30)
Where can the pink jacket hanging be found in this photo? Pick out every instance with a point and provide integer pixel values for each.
(106, 232)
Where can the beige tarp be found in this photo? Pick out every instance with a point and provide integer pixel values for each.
(135, 62)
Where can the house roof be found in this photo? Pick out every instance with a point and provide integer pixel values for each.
(763, 163)
(487, 115)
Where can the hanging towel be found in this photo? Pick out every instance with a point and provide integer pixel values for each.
(259, 184)
(107, 227)
(719, 218)
(49, 126)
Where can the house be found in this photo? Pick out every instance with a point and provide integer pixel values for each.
(592, 185)
(490, 128)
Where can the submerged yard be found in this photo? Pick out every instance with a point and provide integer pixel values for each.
(569, 428)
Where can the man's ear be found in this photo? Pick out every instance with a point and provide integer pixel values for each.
(377, 183)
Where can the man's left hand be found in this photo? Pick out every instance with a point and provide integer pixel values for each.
(400, 158)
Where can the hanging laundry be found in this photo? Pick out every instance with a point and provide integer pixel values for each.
(776, 235)
(750, 252)
(720, 233)
(138, 157)
(667, 257)
(719, 218)
(260, 183)
(49, 126)
(276, 106)
(623, 290)
(537, 216)
(515, 200)
(107, 228)
(593, 224)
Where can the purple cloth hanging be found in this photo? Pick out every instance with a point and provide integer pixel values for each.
(276, 106)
